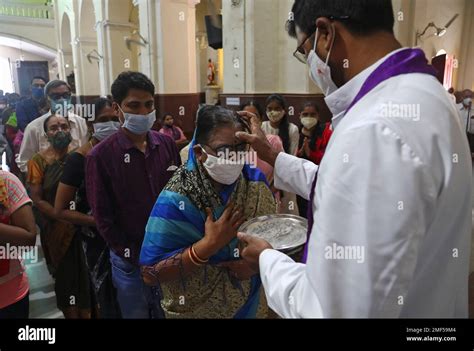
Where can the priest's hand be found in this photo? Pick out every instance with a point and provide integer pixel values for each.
(257, 140)
(252, 249)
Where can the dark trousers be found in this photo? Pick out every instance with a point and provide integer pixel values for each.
(18, 310)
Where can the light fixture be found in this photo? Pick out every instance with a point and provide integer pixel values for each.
(94, 55)
(131, 40)
(439, 31)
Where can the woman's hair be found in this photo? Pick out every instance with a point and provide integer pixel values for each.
(284, 128)
(320, 127)
(99, 105)
(211, 118)
(255, 104)
(164, 115)
(45, 124)
(311, 104)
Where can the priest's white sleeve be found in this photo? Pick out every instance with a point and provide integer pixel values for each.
(289, 292)
(294, 175)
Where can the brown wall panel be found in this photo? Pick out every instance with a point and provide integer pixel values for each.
(170, 103)
(293, 100)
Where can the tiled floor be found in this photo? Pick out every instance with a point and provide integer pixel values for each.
(42, 297)
(43, 301)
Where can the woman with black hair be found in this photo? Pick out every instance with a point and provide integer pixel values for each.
(191, 241)
(62, 248)
(314, 138)
(279, 124)
(274, 140)
(72, 190)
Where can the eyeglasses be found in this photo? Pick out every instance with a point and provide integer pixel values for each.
(300, 54)
(60, 96)
(228, 149)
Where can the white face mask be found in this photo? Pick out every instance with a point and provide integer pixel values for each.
(319, 71)
(309, 122)
(221, 171)
(105, 129)
(139, 124)
(275, 116)
(467, 101)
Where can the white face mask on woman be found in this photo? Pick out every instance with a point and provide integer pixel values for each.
(319, 71)
(275, 116)
(309, 122)
(221, 171)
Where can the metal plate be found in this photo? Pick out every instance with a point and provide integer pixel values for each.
(284, 232)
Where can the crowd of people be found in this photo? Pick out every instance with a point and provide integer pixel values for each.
(114, 204)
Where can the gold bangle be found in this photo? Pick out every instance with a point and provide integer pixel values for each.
(196, 256)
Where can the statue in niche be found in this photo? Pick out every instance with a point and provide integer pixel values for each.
(211, 73)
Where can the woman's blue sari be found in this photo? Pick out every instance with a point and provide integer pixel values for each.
(178, 218)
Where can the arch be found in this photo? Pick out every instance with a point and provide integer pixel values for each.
(16, 41)
(65, 32)
(87, 20)
(65, 46)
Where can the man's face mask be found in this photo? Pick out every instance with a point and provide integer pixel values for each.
(138, 124)
(319, 71)
(61, 104)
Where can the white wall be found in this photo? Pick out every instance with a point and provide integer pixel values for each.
(15, 54)
(458, 41)
(255, 35)
(203, 55)
(35, 30)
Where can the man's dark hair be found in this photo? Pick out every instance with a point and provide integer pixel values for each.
(211, 118)
(131, 80)
(38, 77)
(358, 16)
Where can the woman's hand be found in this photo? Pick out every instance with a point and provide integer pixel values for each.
(306, 148)
(219, 233)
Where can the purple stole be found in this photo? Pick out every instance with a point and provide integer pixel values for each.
(403, 62)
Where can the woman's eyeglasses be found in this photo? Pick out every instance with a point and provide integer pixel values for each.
(229, 149)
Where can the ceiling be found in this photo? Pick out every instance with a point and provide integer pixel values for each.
(32, 48)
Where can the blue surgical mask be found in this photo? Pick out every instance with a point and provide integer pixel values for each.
(61, 106)
(103, 130)
(138, 124)
(37, 93)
